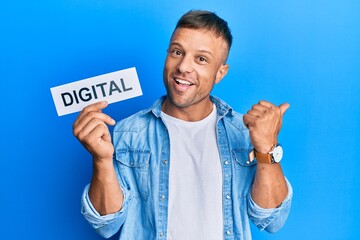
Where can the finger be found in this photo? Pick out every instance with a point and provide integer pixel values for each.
(89, 120)
(89, 127)
(95, 107)
(95, 138)
(99, 115)
(78, 126)
(98, 132)
(106, 136)
(283, 108)
(266, 104)
(255, 113)
(249, 120)
(260, 108)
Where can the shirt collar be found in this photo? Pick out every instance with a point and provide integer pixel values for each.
(222, 107)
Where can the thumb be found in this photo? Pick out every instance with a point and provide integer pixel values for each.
(283, 107)
(106, 136)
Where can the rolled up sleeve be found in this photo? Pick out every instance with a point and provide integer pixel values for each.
(271, 219)
(106, 225)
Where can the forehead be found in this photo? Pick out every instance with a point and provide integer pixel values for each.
(198, 39)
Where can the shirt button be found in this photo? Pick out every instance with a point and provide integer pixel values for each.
(247, 162)
(226, 162)
(162, 197)
(161, 234)
(228, 196)
(228, 232)
(165, 162)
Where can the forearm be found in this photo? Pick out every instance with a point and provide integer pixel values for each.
(269, 188)
(105, 193)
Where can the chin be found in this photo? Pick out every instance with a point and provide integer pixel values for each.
(178, 102)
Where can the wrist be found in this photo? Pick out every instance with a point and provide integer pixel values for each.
(273, 156)
(265, 149)
(103, 172)
(103, 160)
(103, 164)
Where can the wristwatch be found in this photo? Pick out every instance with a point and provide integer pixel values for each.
(274, 156)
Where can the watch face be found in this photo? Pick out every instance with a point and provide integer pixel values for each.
(277, 153)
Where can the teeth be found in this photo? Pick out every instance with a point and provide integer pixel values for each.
(183, 82)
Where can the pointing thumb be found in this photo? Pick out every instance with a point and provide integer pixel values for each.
(283, 107)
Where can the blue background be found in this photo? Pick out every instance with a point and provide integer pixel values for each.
(304, 52)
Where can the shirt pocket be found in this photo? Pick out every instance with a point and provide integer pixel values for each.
(134, 168)
(242, 158)
(244, 171)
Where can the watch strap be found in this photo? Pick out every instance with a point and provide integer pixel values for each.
(263, 157)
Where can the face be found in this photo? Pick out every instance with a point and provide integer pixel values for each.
(194, 63)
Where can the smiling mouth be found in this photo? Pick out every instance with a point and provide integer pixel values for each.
(183, 82)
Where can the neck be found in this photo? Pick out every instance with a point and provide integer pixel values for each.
(191, 113)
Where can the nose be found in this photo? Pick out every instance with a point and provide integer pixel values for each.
(185, 65)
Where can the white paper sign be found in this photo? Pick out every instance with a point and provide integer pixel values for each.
(111, 87)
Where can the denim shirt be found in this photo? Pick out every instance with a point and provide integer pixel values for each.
(141, 162)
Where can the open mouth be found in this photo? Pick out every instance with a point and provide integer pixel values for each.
(183, 82)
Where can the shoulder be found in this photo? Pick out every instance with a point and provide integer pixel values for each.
(228, 114)
(236, 120)
(135, 122)
(140, 120)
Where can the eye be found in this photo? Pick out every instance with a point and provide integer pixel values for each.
(202, 59)
(176, 52)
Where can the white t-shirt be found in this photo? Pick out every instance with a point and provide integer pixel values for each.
(195, 181)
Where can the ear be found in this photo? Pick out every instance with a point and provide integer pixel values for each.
(222, 71)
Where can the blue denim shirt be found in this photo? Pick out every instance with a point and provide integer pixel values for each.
(141, 161)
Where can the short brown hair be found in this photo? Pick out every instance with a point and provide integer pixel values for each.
(200, 19)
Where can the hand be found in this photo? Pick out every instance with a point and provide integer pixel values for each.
(264, 122)
(91, 130)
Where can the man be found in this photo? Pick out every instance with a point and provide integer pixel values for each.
(184, 168)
